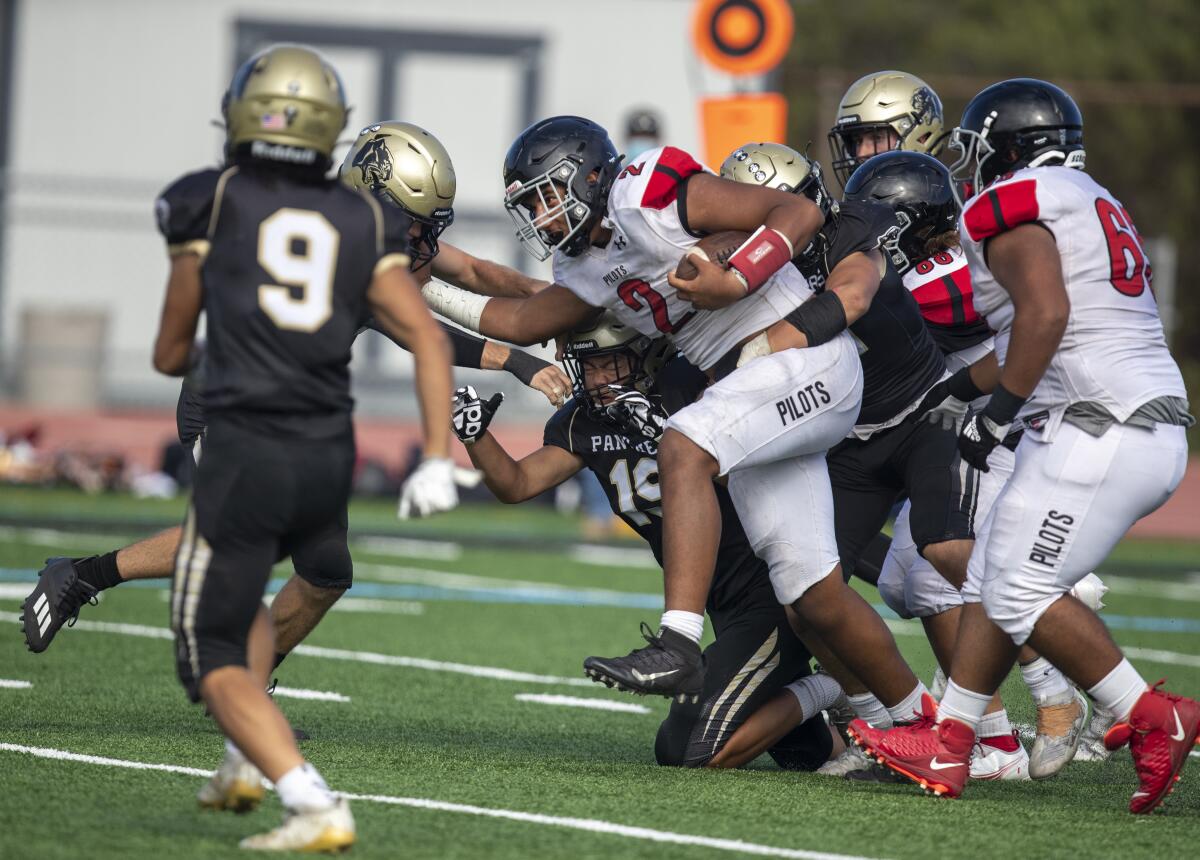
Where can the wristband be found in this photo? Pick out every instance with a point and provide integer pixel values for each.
(454, 304)
(762, 255)
(467, 348)
(820, 319)
(522, 365)
(963, 387)
(1004, 406)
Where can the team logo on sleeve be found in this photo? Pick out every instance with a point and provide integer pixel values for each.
(375, 162)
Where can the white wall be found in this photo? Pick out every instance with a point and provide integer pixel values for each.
(113, 100)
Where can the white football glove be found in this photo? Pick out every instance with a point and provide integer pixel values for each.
(471, 414)
(433, 487)
(634, 412)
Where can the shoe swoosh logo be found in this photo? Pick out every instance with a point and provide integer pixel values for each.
(1141, 794)
(1179, 734)
(653, 675)
(943, 765)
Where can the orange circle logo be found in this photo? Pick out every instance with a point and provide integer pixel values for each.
(742, 37)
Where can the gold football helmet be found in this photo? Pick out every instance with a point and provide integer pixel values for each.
(635, 358)
(406, 166)
(895, 103)
(777, 166)
(289, 98)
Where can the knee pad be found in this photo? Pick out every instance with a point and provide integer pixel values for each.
(793, 572)
(891, 587)
(926, 593)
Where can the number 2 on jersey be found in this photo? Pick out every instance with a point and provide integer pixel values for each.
(1130, 269)
(643, 480)
(298, 248)
(630, 290)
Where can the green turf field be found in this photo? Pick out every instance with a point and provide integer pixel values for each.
(443, 639)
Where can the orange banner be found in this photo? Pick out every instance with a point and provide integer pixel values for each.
(727, 122)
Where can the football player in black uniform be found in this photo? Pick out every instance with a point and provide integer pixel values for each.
(286, 263)
(404, 166)
(623, 392)
(893, 451)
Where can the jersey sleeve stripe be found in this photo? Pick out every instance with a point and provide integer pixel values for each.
(1002, 208)
(673, 166)
(390, 261)
(199, 247)
(218, 195)
(571, 431)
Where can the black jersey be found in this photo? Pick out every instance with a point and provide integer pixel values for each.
(628, 470)
(286, 263)
(899, 357)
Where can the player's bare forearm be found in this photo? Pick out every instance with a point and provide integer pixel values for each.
(494, 355)
(1027, 264)
(551, 312)
(513, 481)
(484, 277)
(715, 204)
(180, 314)
(985, 373)
(855, 281)
(760, 732)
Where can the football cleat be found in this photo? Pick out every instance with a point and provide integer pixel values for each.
(1060, 722)
(237, 786)
(936, 756)
(1160, 730)
(851, 760)
(1091, 743)
(328, 831)
(54, 601)
(671, 665)
(999, 757)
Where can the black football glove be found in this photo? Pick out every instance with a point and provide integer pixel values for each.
(635, 413)
(472, 415)
(984, 430)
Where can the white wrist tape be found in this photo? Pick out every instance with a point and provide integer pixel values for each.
(456, 305)
(756, 347)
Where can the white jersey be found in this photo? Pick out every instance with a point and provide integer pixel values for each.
(649, 237)
(1113, 352)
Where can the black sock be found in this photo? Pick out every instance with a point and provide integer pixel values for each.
(279, 658)
(99, 571)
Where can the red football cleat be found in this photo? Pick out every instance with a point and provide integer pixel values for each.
(1161, 731)
(936, 756)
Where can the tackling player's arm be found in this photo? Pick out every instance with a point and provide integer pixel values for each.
(180, 314)
(515, 481)
(484, 277)
(788, 222)
(527, 321)
(398, 307)
(848, 294)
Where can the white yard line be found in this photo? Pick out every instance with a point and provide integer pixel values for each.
(55, 537)
(466, 581)
(1185, 590)
(589, 825)
(1171, 658)
(613, 556)
(576, 702)
(410, 547)
(370, 657)
(9, 684)
(313, 695)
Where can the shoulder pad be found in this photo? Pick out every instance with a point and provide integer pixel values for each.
(1000, 208)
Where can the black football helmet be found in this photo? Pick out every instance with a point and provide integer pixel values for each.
(918, 188)
(569, 164)
(1017, 123)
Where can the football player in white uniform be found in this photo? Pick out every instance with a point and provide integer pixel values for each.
(616, 236)
(1061, 275)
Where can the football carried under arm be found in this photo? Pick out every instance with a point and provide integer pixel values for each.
(779, 224)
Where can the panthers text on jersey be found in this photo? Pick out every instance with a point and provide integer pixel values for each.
(286, 264)
(899, 358)
(1113, 352)
(647, 210)
(942, 287)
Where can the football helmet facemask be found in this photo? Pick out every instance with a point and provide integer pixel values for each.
(890, 101)
(403, 165)
(917, 187)
(1022, 122)
(286, 104)
(559, 172)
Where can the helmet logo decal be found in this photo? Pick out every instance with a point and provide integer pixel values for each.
(926, 105)
(375, 162)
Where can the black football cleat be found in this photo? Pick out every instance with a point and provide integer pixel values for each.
(54, 601)
(671, 665)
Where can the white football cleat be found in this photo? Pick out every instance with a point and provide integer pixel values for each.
(237, 786)
(991, 762)
(328, 831)
(1060, 722)
(851, 760)
(1091, 744)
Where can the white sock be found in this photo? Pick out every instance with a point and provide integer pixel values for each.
(815, 693)
(870, 710)
(1044, 680)
(994, 725)
(908, 708)
(231, 749)
(690, 624)
(1118, 690)
(301, 789)
(963, 705)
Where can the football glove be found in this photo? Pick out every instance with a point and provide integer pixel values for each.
(978, 437)
(471, 415)
(636, 413)
(432, 487)
(950, 399)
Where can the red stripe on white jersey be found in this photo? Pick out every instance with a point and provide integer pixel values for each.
(1001, 208)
